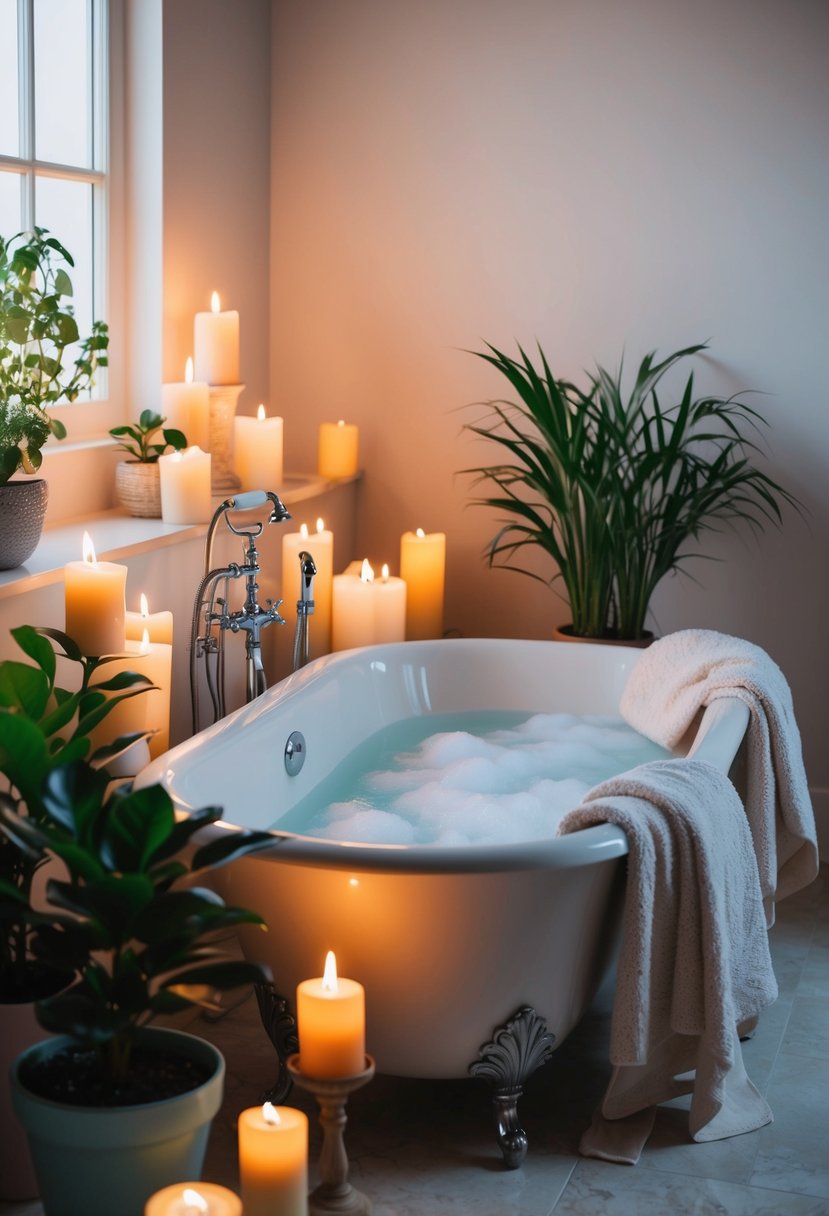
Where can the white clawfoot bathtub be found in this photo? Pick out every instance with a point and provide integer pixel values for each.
(449, 942)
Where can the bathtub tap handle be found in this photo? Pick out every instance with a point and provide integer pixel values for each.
(307, 571)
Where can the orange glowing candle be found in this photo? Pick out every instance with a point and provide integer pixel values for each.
(186, 407)
(194, 1199)
(94, 602)
(273, 1161)
(338, 453)
(331, 1022)
(422, 567)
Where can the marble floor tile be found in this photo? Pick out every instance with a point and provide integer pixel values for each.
(793, 1153)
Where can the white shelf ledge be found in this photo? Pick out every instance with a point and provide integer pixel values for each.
(117, 535)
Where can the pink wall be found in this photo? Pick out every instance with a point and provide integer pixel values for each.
(596, 176)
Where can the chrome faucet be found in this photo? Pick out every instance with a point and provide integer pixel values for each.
(211, 608)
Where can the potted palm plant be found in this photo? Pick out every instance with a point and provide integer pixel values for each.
(137, 480)
(38, 331)
(612, 485)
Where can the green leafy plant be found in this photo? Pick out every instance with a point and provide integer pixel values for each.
(42, 726)
(612, 486)
(139, 944)
(135, 439)
(37, 327)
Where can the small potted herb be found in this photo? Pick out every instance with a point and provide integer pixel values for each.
(137, 481)
(43, 361)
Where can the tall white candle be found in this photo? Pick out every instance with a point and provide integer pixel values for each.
(94, 602)
(185, 486)
(366, 611)
(338, 450)
(389, 608)
(257, 451)
(422, 567)
(186, 406)
(320, 544)
(216, 344)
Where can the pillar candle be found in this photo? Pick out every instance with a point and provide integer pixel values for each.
(331, 1025)
(339, 450)
(216, 344)
(185, 487)
(155, 661)
(94, 602)
(194, 1199)
(422, 567)
(389, 608)
(257, 451)
(352, 609)
(273, 1161)
(159, 625)
(186, 406)
(129, 716)
(320, 544)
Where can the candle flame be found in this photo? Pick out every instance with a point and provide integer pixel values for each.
(215, 302)
(420, 534)
(270, 1114)
(188, 371)
(145, 642)
(260, 413)
(303, 531)
(366, 572)
(385, 572)
(194, 1201)
(145, 607)
(341, 422)
(329, 975)
(89, 550)
(320, 526)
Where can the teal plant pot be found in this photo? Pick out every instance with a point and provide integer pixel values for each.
(99, 1161)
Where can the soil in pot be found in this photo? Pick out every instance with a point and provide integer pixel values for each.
(564, 633)
(74, 1076)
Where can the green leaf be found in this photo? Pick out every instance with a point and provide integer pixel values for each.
(32, 643)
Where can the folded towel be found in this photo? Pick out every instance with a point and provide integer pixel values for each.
(683, 672)
(694, 960)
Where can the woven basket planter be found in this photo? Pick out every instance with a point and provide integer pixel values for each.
(138, 488)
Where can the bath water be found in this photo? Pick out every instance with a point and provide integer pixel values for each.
(486, 777)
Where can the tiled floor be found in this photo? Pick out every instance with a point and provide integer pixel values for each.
(420, 1148)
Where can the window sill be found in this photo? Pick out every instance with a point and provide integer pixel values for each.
(117, 535)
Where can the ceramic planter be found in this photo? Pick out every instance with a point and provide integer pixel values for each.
(99, 1161)
(19, 1030)
(22, 512)
(564, 633)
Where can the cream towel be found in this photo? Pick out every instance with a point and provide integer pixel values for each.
(694, 960)
(683, 672)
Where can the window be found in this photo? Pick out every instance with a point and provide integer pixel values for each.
(54, 114)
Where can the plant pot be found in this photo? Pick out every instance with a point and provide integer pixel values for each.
(19, 1030)
(565, 634)
(22, 512)
(138, 488)
(99, 1161)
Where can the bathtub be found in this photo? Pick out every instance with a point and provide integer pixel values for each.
(449, 942)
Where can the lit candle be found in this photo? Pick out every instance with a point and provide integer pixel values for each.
(94, 602)
(185, 486)
(159, 625)
(339, 450)
(389, 608)
(273, 1161)
(352, 609)
(216, 344)
(257, 451)
(194, 1199)
(422, 567)
(331, 1025)
(320, 545)
(130, 716)
(186, 407)
(155, 661)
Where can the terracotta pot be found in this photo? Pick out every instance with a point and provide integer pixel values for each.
(138, 488)
(22, 512)
(565, 634)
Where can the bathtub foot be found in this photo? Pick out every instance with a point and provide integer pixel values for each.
(515, 1052)
(280, 1026)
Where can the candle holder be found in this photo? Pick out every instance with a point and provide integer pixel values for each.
(223, 401)
(334, 1193)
